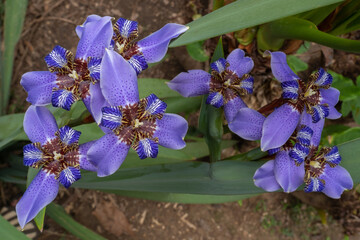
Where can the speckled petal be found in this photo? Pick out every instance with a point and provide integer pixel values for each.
(118, 80)
(239, 63)
(39, 124)
(192, 83)
(41, 191)
(306, 119)
(39, 86)
(279, 126)
(232, 107)
(97, 101)
(287, 174)
(280, 68)
(84, 162)
(337, 180)
(107, 154)
(171, 130)
(96, 36)
(247, 124)
(264, 177)
(154, 46)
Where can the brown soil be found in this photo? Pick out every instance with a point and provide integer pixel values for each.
(267, 216)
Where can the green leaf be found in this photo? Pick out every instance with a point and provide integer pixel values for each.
(157, 86)
(348, 90)
(347, 135)
(350, 152)
(13, 23)
(347, 106)
(182, 105)
(328, 133)
(9, 232)
(196, 51)
(296, 64)
(243, 14)
(351, 24)
(58, 214)
(318, 15)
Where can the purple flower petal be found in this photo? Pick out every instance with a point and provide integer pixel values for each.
(329, 96)
(94, 68)
(147, 148)
(84, 162)
(118, 80)
(239, 63)
(80, 28)
(126, 28)
(96, 36)
(63, 99)
(324, 79)
(279, 126)
(107, 154)
(97, 101)
(247, 124)
(247, 84)
(287, 174)
(68, 176)
(264, 177)
(290, 89)
(304, 135)
(337, 180)
(32, 154)
(57, 58)
(39, 124)
(319, 112)
(333, 113)
(154, 46)
(333, 156)
(139, 63)
(219, 65)
(69, 135)
(314, 185)
(39, 86)
(280, 68)
(317, 128)
(215, 99)
(232, 107)
(192, 83)
(154, 106)
(171, 130)
(299, 152)
(41, 191)
(111, 117)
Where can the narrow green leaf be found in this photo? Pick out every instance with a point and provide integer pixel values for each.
(58, 214)
(9, 232)
(318, 15)
(157, 86)
(351, 24)
(349, 9)
(182, 105)
(350, 152)
(243, 14)
(347, 135)
(196, 51)
(13, 23)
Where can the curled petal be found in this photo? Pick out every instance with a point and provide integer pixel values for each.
(154, 106)
(83, 161)
(274, 151)
(247, 124)
(329, 96)
(69, 135)
(63, 99)
(41, 191)
(96, 36)
(216, 99)
(126, 28)
(247, 84)
(219, 65)
(118, 80)
(94, 68)
(323, 79)
(319, 112)
(192, 83)
(304, 135)
(107, 154)
(171, 130)
(58, 58)
(154, 46)
(238, 63)
(317, 128)
(139, 63)
(68, 176)
(280, 68)
(147, 148)
(290, 89)
(111, 117)
(97, 102)
(314, 185)
(333, 157)
(298, 153)
(232, 107)
(39, 86)
(39, 124)
(32, 154)
(337, 180)
(279, 126)
(80, 28)
(264, 177)
(287, 174)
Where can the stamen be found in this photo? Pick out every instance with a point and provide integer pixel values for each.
(315, 164)
(137, 123)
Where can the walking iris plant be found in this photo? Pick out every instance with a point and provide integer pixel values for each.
(103, 73)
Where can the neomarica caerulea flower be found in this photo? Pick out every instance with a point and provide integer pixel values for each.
(228, 81)
(298, 161)
(137, 123)
(139, 53)
(71, 78)
(309, 102)
(58, 155)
